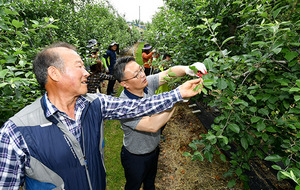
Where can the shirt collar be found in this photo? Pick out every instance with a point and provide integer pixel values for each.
(133, 96)
(51, 109)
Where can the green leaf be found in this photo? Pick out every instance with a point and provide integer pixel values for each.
(3, 84)
(259, 43)
(277, 50)
(234, 127)
(238, 171)
(276, 167)
(208, 155)
(208, 63)
(244, 143)
(261, 126)
(294, 90)
(225, 139)
(171, 74)
(276, 12)
(231, 183)
(3, 73)
(223, 157)
(291, 55)
(193, 146)
(265, 137)
(198, 155)
(222, 84)
(255, 119)
(214, 26)
(297, 98)
(187, 154)
(298, 83)
(17, 24)
(208, 82)
(239, 101)
(226, 40)
(263, 111)
(264, 14)
(260, 154)
(271, 129)
(231, 85)
(201, 26)
(198, 87)
(253, 109)
(52, 26)
(273, 158)
(237, 2)
(252, 98)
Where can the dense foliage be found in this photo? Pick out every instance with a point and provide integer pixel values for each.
(27, 26)
(251, 49)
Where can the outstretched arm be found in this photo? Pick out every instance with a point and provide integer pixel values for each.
(155, 122)
(182, 70)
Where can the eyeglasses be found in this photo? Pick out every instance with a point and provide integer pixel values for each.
(137, 76)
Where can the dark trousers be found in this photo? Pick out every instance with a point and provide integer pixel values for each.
(110, 87)
(139, 169)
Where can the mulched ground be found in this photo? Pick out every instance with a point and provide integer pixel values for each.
(177, 172)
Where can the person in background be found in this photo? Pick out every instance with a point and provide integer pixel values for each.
(147, 56)
(166, 61)
(111, 57)
(140, 150)
(94, 51)
(96, 63)
(96, 78)
(55, 142)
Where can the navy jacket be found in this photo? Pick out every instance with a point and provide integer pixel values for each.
(57, 159)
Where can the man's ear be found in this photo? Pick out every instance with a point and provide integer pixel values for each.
(54, 73)
(124, 84)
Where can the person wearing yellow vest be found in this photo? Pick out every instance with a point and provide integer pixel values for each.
(111, 57)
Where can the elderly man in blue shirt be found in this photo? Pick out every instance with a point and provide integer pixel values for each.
(55, 142)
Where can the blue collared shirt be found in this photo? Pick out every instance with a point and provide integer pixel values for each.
(14, 153)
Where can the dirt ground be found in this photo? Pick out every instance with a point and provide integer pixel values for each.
(177, 172)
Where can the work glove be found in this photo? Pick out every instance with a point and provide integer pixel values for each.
(200, 67)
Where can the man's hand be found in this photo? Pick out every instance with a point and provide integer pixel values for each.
(187, 89)
(200, 67)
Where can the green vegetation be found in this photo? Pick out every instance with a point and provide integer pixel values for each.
(251, 49)
(113, 142)
(28, 25)
(138, 54)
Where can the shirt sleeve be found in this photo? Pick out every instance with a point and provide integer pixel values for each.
(13, 156)
(116, 108)
(153, 82)
(147, 56)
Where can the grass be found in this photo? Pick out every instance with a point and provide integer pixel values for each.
(113, 135)
(138, 54)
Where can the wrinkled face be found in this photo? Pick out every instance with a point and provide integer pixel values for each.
(74, 77)
(134, 77)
